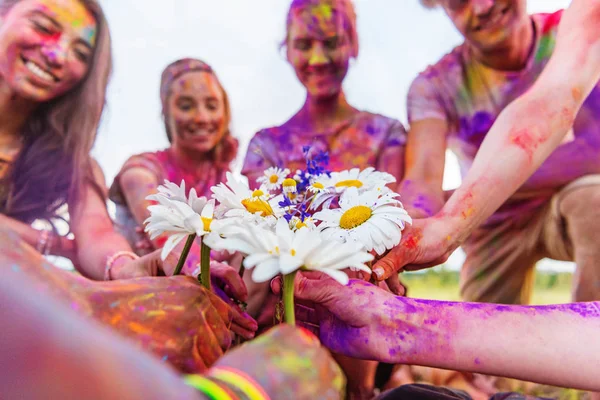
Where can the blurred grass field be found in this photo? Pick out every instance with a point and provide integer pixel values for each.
(441, 283)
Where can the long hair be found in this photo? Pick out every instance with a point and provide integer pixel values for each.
(54, 164)
(226, 150)
(344, 7)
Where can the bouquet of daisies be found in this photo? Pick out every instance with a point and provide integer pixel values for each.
(314, 219)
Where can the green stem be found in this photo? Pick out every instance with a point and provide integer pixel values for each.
(184, 254)
(205, 265)
(288, 298)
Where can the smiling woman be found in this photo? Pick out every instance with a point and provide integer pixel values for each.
(53, 77)
(196, 115)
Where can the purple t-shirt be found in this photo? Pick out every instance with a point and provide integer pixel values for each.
(364, 140)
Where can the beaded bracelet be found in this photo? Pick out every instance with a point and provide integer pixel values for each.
(209, 388)
(241, 381)
(111, 260)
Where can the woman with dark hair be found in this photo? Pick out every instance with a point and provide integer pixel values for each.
(53, 77)
(197, 115)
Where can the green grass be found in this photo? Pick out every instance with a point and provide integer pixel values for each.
(550, 288)
(442, 284)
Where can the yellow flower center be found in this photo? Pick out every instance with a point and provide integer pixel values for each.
(289, 182)
(300, 224)
(273, 179)
(318, 185)
(355, 216)
(256, 204)
(206, 222)
(293, 252)
(350, 183)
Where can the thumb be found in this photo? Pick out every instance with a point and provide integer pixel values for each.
(314, 290)
(385, 267)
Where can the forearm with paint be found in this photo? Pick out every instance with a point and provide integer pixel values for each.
(531, 127)
(554, 344)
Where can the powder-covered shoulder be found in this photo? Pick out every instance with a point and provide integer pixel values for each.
(447, 65)
(379, 122)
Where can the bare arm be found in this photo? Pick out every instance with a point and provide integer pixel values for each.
(59, 246)
(531, 127)
(421, 189)
(81, 359)
(554, 345)
(137, 184)
(94, 231)
(523, 136)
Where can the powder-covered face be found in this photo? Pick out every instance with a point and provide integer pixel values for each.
(486, 24)
(319, 49)
(47, 47)
(196, 111)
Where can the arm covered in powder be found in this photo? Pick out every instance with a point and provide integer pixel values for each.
(554, 345)
(531, 127)
(523, 136)
(77, 358)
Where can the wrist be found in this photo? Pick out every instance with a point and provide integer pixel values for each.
(449, 230)
(116, 262)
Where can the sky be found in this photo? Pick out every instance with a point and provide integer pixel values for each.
(240, 39)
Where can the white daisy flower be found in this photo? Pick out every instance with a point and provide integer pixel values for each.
(259, 244)
(178, 220)
(178, 193)
(290, 189)
(366, 179)
(172, 191)
(297, 223)
(319, 184)
(370, 219)
(273, 178)
(238, 201)
(306, 250)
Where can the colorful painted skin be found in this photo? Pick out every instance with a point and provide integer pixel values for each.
(321, 40)
(174, 317)
(483, 338)
(197, 115)
(364, 321)
(60, 363)
(58, 59)
(60, 40)
(455, 102)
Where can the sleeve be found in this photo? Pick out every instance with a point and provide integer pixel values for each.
(423, 101)
(257, 157)
(391, 157)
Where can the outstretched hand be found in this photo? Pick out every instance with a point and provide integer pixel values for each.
(174, 317)
(424, 244)
(227, 284)
(353, 320)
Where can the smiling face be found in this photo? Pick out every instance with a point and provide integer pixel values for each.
(196, 111)
(319, 49)
(47, 46)
(486, 24)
